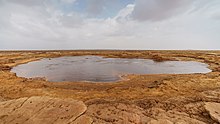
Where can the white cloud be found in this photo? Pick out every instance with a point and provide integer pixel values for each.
(155, 10)
(95, 7)
(43, 25)
(98, 7)
(28, 3)
(125, 13)
(68, 1)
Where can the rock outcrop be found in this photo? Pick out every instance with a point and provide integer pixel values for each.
(43, 110)
(214, 110)
(121, 113)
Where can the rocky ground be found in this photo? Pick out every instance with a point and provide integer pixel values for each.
(43, 110)
(153, 99)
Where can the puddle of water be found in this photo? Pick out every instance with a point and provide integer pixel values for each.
(99, 69)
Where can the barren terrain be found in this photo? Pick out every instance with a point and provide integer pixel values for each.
(164, 98)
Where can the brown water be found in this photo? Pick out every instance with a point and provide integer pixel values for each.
(99, 69)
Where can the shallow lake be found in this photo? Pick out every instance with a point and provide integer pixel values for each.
(99, 69)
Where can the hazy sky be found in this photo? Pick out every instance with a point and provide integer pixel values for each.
(109, 24)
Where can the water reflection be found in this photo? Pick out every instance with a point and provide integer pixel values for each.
(99, 69)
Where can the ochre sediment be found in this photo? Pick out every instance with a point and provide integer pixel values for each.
(164, 98)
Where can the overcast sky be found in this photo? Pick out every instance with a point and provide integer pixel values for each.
(109, 24)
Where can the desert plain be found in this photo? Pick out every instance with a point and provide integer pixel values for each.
(137, 99)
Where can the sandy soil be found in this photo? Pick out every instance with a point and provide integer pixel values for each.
(152, 99)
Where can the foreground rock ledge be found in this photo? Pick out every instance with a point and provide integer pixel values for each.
(43, 110)
(214, 110)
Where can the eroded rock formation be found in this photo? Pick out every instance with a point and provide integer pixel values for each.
(43, 110)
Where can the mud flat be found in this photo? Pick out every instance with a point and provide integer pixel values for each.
(150, 98)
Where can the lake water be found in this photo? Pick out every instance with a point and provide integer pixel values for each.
(99, 69)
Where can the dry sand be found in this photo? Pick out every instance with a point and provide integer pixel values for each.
(152, 99)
